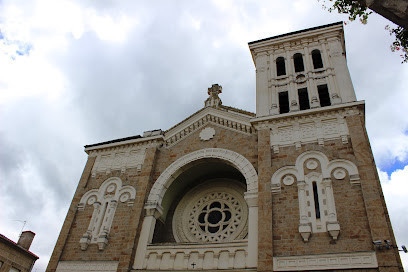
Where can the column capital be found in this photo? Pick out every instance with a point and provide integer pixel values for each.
(153, 209)
(251, 199)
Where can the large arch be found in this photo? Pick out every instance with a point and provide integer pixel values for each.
(170, 174)
(153, 204)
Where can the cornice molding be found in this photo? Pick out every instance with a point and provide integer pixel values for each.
(225, 119)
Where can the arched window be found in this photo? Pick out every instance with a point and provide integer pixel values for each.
(280, 66)
(317, 59)
(298, 62)
(316, 200)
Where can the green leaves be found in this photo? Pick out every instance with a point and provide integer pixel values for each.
(357, 9)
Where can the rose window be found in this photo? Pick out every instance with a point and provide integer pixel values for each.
(212, 212)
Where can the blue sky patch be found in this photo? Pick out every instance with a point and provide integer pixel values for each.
(392, 166)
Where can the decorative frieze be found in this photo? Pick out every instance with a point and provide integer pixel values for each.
(118, 159)
(87, 266)
(352, 260)
(317, 128)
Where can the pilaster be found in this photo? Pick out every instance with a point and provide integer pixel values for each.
(265, 241)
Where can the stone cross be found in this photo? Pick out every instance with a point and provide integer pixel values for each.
(213, 92)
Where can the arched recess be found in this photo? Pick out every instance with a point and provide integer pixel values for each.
(170, 174)
(154, 209)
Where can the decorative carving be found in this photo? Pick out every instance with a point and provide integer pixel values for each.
(212, 212)
(308, 222)
(121, 159)
(209, 115)
(352, 260)
(288, 180)
(87, 266)
(311, 164)
(316, 128)
(207, 134)
(339, 173)
(104, 200)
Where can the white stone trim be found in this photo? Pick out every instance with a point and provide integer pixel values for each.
(205, 256)
(318, 128)
(351, 260)
(86, 266)
(170, 173)
(143, 141)
(308, 221)
(105, 201)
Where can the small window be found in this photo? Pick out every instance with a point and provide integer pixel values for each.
(324, 96)
(280, 66)
(283, 102)
(317, 59)
(303, 99)
(298, 61)
(316, 200)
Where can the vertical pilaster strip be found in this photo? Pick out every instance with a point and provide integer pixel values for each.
(377, 214)
(69, 219)
(135, 222)
(262, 95)
(265, 242)
(252, 200)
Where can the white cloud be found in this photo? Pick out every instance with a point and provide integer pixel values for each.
(395, 189)
(99, 70)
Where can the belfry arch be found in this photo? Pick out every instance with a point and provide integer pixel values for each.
(169, 177)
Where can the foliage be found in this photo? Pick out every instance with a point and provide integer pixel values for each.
(353, 8)
(401, 41)
(357, 9)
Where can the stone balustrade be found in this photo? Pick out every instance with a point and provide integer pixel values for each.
(196, 256)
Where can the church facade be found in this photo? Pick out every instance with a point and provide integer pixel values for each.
(293, 187)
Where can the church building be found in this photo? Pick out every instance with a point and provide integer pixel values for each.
(292, 187)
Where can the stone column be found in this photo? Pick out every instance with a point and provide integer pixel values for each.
(153, 211)
(252, 201)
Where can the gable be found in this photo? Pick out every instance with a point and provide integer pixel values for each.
(224, 118)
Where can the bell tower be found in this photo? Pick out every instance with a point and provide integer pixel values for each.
(315, 160)
(301, 70)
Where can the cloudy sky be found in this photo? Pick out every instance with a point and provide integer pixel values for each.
(81, 72)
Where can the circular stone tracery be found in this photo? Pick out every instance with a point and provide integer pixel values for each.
(212, 212)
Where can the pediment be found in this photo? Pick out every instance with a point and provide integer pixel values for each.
(225, 117)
